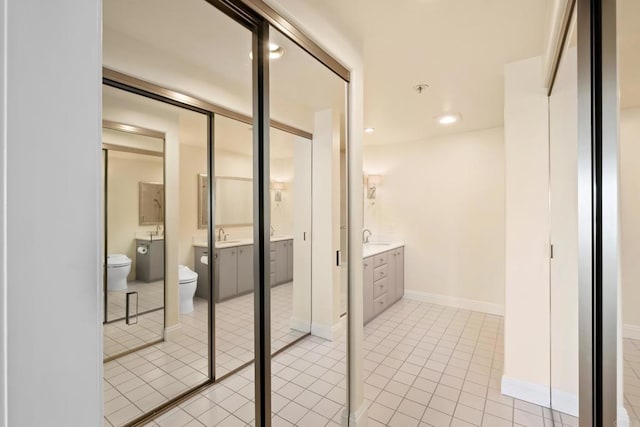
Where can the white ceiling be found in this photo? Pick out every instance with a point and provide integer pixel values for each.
(458, 47)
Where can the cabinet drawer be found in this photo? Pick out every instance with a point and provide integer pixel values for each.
(380, 304)
(380, 287)
(380, 259)
(381, 272)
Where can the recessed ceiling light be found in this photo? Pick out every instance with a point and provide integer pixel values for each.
(275, 51)
(448, 119)
(369, 130)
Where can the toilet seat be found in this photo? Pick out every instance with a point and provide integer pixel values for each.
(186, 275)
(118, 260)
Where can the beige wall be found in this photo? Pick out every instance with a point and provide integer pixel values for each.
(444, 198)
(125, 172)
(630, 219)
(526, 362)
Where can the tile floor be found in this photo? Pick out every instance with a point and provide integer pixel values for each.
(136, 383)
(425, 365)
(430, 365)
(632, 380)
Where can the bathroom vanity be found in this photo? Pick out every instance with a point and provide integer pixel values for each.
(233, 267)
(383, 278)
(150, 259)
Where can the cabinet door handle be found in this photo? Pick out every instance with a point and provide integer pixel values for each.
(366, 265)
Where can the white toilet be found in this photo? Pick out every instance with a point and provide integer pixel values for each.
(118, 268)
(188, 280)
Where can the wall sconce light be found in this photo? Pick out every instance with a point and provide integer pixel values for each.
(278, 187)
(372, 182)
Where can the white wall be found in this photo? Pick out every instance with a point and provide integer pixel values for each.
(124, 173)
(563, 173)
(444, 198)
(527, 363)
(630, 219)
(325, 175)
(50, 235)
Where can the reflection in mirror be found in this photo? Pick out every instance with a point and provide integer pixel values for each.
(290, 163)
(563, 221)
(234, 201)
(309, 227)
(156, 337)
(233, 268)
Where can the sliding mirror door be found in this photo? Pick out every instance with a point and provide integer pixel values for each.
(233, 253)
(309, 237)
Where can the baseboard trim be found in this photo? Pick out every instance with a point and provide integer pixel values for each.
(170, 331)
(523, 390)
(631, 331)
(623, 418)
(358, 418)
(564, 402)
(329, 332)
(300, 324)
(451, 301)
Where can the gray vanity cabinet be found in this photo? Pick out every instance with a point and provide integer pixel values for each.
(367, 305)
(281, 261)
(398, 255)
(150, 265)
(272, 268)
(203, 290)
(233, 269)
(383, 281)
(245, 269)
(227, 279)
(289, 260)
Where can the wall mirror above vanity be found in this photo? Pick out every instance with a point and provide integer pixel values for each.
(234, 201)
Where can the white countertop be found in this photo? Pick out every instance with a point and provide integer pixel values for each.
(237, 242)
(375, 248)
(149, 238)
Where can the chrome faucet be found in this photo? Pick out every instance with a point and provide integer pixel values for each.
(221, 233)
(366, 233)
(273, 230)
(158, 230)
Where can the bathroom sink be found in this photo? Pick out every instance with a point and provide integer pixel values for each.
(227, 242)
(378, 244)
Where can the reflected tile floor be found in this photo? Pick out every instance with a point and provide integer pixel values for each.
(119, 337)
(138, 382)
(632, 380)
(309, 387)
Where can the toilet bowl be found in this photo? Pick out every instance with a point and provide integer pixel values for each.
(188, 281)
(118, 268)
